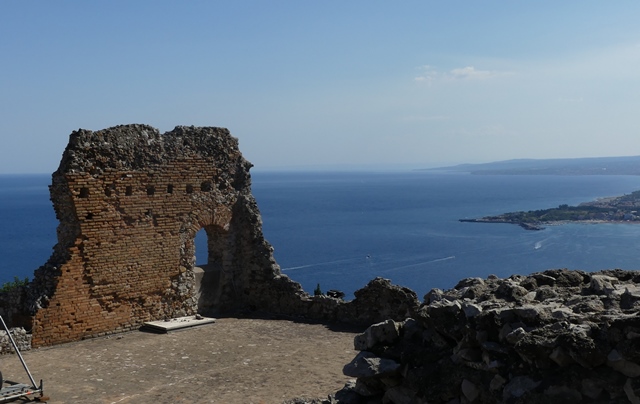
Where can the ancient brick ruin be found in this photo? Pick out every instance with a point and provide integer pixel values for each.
(130, 202)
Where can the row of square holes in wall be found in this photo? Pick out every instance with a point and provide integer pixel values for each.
(151, 190)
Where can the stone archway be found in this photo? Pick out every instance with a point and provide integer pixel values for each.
(212, 276)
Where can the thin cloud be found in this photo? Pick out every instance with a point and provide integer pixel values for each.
(471, 73)
(429, 75)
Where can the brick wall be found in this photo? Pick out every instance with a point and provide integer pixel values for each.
(130, 202)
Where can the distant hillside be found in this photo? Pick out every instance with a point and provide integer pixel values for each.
(579, 166)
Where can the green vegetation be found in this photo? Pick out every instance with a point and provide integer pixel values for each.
(17, 283)
(559, 214)
(317, 291)
(631, 198)
(615, 209)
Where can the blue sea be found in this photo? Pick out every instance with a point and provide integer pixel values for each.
(342, 229)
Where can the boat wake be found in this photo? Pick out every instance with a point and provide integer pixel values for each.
(319, 264)
(417, 264)
(369, 261)
(442, 259)
(539, 244)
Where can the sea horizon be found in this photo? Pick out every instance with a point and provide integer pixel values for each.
(342, 229)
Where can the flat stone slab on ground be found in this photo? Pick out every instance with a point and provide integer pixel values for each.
(177, 323)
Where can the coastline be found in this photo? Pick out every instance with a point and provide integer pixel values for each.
(617, 209)
(524, 225)
(542, 225)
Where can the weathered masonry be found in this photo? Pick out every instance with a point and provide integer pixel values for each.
(130, 202)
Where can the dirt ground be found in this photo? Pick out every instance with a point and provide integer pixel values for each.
(235, 360)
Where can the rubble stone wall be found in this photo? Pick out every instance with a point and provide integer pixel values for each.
(20, 337)
(551, 337)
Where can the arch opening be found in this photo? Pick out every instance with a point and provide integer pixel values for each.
(211, 266)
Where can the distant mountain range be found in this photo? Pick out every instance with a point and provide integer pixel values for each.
(577, 166)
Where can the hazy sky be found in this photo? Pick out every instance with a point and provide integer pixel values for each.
(323, 83)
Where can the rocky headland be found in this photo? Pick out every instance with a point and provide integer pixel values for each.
(620, 209)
